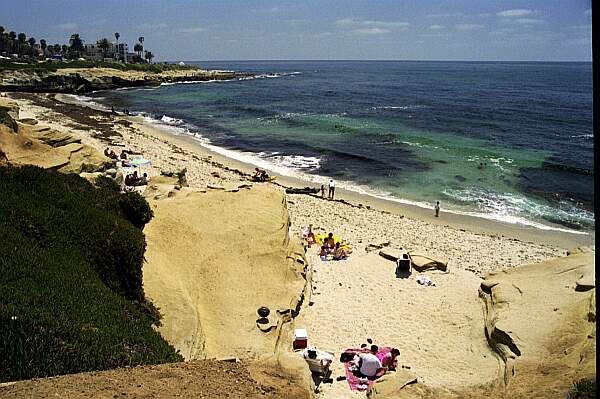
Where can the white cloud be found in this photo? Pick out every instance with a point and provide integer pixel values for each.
(529, 21)
(371, 31)
(368, 23)
(437, 27)
(151, 27)
(68, 26)
(191, 30)
(436, 35)
(456, 14)
(468, 26)
(517, 12)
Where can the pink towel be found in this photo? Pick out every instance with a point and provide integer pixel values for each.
(358, 383)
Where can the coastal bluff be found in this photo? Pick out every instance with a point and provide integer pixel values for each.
(84, 80)
(213, 258)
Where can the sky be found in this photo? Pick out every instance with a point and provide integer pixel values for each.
(189, 30)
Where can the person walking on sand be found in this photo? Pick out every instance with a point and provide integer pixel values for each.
(437, 209)
(331, 189)
(322, 191)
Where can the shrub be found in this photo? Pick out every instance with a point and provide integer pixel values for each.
(71, 296)
(135, 209)
(583, 389)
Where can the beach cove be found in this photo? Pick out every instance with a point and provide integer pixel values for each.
(359, 298)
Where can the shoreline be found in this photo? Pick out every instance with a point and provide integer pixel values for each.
(359, 298)
(554, 236)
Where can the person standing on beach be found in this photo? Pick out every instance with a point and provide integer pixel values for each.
(331, 189)
(322, 191)
(437, 209)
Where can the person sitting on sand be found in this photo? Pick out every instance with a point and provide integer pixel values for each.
(310, 235)
(369, 364)
(390, 361)
(339, 253)
(329, 242)
(113, 155)
(107, 152)
(323, 252)
(123, 155)
(264, 176)
(318, 361)
(257, 173)
(144, 179)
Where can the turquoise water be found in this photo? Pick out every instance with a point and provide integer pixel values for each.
(407, 131)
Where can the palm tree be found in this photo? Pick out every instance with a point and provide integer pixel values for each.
(148, 56)
(12, 45)
(104, 44)
(64, 49)
(117, 36)
(2, 40)
(21, 40)
(43, 46)
(141, 40)
(31, 41)
(75, 45)
(138, 48)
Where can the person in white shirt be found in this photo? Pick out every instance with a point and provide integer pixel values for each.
(318, 362)
(331, 189)
(369, 364)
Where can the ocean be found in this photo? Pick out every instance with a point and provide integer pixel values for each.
(511, 141)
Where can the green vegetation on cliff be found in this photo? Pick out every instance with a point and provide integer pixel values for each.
(71, 296)
(52, 66)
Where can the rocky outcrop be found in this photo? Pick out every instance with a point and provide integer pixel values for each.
(213, 259)
(523, 306)
(49, 149)
(82, 80)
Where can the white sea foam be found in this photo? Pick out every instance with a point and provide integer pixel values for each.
(582, 136)
(298, 167)
(171, 121)
(399, 107)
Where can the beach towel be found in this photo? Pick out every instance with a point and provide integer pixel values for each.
(320, 239)
(358, 383)
(424, 280)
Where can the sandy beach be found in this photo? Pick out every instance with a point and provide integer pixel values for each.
(438, 329)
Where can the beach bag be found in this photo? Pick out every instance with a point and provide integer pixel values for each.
(345, 357)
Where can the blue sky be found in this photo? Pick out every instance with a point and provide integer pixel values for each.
(537, 30)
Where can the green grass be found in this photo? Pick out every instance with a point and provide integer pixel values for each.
(583, 389)
(71, 296)
(52, 66)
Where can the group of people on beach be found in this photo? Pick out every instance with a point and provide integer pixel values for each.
(370, 364)
(133, 179)
(331, 191)
(260, 175)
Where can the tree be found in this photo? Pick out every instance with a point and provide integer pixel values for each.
(141, 40)
(138, 48)
(104, 44)
(43, 46)
(75, 45)
(21, 40)
(117, 36)
(148, 56)
(64, 49)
